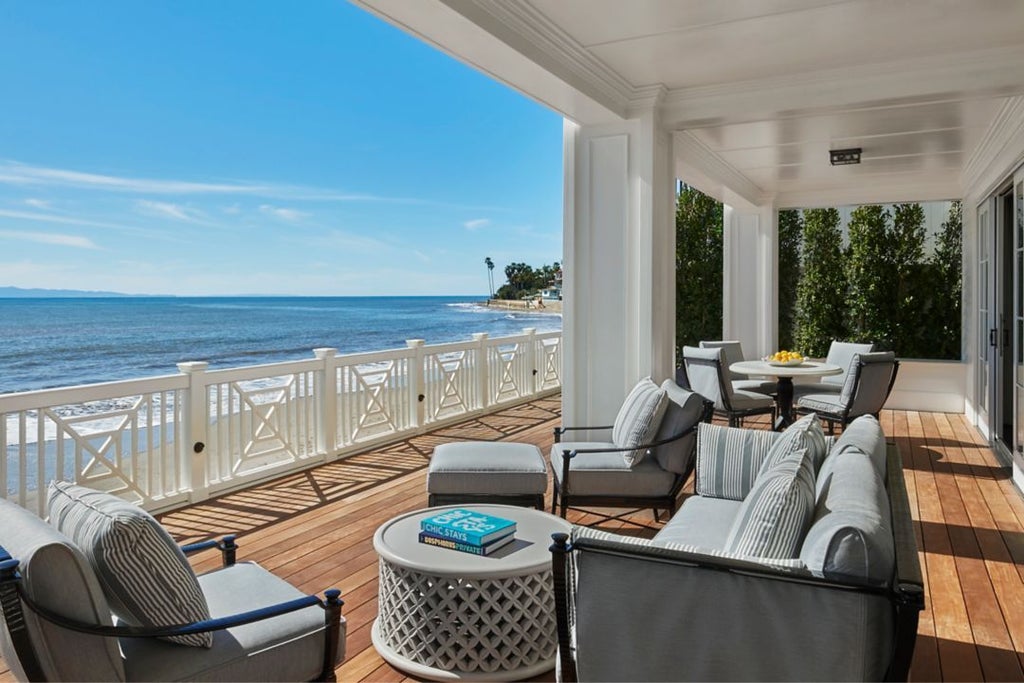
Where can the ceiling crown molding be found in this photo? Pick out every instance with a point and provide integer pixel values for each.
(1007, 124)
(523, 27)
(646, 98)
(691, 152)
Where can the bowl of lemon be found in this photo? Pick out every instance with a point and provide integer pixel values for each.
(784, 359)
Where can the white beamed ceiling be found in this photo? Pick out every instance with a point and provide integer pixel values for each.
(760, 88)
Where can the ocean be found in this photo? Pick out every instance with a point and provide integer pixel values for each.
(48, 343)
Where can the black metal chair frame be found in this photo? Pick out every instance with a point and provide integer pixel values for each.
(12, 597)
(734, 415)
(562, 494)
(905, 592)
(843, 416)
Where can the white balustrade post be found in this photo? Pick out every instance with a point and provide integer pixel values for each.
(325, 396)
(417, 375)
(481, 368)
(530, 360)
(195, 429)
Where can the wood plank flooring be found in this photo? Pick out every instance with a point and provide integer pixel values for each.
(315, 529)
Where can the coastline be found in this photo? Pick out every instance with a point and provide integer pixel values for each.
(531, 305)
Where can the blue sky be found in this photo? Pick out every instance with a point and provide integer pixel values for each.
(229, 147)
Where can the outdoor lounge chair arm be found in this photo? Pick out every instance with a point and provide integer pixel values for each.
(562, 430)
(686, 432)
(12, 596)
(226, 545)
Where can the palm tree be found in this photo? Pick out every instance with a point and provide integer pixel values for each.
(490, 274)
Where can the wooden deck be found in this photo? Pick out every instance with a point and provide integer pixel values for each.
(315, 530)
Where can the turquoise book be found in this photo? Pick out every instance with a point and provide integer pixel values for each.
(467, 526)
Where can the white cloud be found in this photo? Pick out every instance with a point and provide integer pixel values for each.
(50, 238)
(167, 210)
(290, 215)
(232, 210)
(67, 220)
(38, 203)
(15, 173)
(421, 256)
(476, 223)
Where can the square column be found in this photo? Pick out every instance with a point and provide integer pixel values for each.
(750, 275)
(619, 264)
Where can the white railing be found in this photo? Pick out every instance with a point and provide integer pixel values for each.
(166, 441)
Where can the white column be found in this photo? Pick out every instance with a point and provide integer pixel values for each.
(750, 275)
(619, 263)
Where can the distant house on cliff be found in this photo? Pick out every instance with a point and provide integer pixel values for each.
(553, 293)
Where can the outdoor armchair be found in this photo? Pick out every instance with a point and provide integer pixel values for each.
(868, 385)
(648, 474)
(57, 623)
(841, 354)
(732, 352)
(707, 376)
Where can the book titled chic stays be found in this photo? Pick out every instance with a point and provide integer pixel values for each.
(430, 539)
(466, 526)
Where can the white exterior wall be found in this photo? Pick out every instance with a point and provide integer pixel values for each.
(619, 264)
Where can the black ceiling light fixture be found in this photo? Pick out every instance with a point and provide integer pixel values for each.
(842, 157)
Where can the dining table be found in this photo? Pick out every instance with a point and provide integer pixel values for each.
(784, 375)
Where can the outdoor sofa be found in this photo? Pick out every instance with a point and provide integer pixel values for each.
(795, 560)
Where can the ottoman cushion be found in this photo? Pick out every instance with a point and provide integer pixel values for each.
(485, 467)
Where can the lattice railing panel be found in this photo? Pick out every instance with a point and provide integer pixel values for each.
(260, 423)
(450, 388)
(511, 377)
(374, 400)
(549, 360)
(128, 445)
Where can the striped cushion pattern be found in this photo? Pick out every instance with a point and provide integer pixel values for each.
(639, 418)
(144, 574)
(729, 459)
(804, 434)
(773, 518)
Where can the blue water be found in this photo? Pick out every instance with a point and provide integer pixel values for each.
(63, 342)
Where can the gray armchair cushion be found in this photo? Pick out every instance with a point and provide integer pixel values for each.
(841, 354)
(732, 352)
(639, 418)
(56, 575)
(607, 473)
(822, 403)
(728, 459)
(683, 410)
(851, 536)
(704, 376)
(144, 574)
(804, 388)
(286, 648)
(760, 386)
(749, 400)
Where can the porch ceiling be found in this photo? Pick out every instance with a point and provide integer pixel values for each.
(758, 91)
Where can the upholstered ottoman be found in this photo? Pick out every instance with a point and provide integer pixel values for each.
(487, 472)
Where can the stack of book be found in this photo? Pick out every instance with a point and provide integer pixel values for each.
(467, 531)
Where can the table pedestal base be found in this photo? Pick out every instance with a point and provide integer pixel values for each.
(784, 401)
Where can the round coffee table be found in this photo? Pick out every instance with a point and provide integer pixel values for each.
(445, 615)
(784, 381)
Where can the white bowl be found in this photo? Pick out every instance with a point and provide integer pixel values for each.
(783, 364)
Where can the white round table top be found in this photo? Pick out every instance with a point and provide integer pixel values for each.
(808, 368)
(397, 541)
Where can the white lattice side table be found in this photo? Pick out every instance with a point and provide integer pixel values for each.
(447, 615)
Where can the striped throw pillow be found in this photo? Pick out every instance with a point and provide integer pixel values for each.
(145, 576)
(773, 518)
(804, 434)
(729, 459)
(639, 418)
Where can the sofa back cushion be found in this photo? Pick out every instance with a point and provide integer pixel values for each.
(729, 459)
(851, 536)
(864, 435)
(683, 410)
(56, 575)
(144, 574)
(773, 518)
